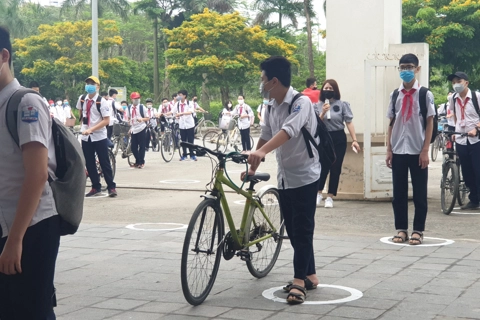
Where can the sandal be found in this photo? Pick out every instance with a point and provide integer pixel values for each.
(403, 239)
(417, 240)
(308, 285)
(297, 298)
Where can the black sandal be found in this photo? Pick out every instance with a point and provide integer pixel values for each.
(402, 238)
(419, 240)
(308, 285)
(298, 298)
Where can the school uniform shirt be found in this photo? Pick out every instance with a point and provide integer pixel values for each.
(152, 114)
(186, 121)
(67, 111)
(408, 133)
(470, 117)
(340, 112)
(111, 101)
(59, 113)
(195, 108)
(134, 115)
(241, 110)
(295, 167)
(95, 117)
(34, 125)
(261, 109)
(444, 109)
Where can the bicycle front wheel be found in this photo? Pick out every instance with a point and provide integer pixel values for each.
(252, 143)
(167, 148)
(113, 162)
(263, 255)
(463, 190)
(202, 251)
(434, 149)
(449, 185)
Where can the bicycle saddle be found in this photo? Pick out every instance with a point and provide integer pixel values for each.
(259, 177)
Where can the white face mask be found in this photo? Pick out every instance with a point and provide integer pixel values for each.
(240, 102)
(229, 105)
(149, 105)
(59, 103)
(165, 104)
(136, 101)
(458, 87)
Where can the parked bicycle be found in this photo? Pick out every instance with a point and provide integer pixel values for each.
(257, 241)
(204, 125)
(439, 143)
(121, 141)
(170, 141)
(226, 140)
(154, 138)
(452, 185)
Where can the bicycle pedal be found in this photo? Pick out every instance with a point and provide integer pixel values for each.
(244, 255)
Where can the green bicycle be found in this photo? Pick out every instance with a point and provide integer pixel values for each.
(257, 242)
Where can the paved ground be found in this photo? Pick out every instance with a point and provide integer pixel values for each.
(107, 271)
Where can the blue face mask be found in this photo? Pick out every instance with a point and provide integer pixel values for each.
(407, 75)
(90, 88)
(124, 107)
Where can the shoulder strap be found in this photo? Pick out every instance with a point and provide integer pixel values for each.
(298, 95)
(475, 102)
(422, 97)
(141, 111)
(12, 112)
(394, 102)
(99, 105)
(454, 99)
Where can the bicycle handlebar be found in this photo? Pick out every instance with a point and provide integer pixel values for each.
(462, 134)
(236, 157)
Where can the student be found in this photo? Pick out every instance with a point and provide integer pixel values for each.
(261, 111)
(196, 107)
(165, 111)
(112, 95)
(124, 113)
(245, 118)
(298, 174)
(67, 110)
(95, 116)
(311, 91)
(226, 116)
(467, 120)
(183, 111)
(340, 116)
(29, 223)
(138, 121)
(151, 114)
(407, 150)
(58, 111)
(444, 110)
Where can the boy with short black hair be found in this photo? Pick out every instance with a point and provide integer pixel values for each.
(408, 141)
(183, 110)
(298, 174)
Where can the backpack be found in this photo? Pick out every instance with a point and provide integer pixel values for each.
(474, 101)
(69, 188)
(423, 110)
(98, 103)
(142, 113)
(326, 150)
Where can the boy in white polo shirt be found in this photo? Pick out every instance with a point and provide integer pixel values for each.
(138, 121)
(298, 174)
(183, 110)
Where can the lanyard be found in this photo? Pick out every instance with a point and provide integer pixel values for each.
(462, 106)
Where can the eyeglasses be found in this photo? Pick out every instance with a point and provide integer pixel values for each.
(406, 68)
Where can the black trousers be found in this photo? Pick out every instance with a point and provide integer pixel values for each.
(339, 139)
(31, 294)
(109, 132)
(187, 135)
(149, 135)
(101, 149)
(245, 135)
(298, 207)
(138, 146)
(470, 162)
(401, 164)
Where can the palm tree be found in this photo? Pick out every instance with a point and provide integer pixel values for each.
(220, 6)
(10, 16)
(308, 9)
(289, 9)
(119, 7)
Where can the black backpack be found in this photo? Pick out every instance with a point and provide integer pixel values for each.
(474, 101)
(326, 150)
(423, 110)
(142, 113)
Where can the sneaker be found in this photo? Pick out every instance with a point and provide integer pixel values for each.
(112, 193)
(319, 199)
(329, 203)
(93, 193)
(193, 158)
(470, 205)
(183, 158)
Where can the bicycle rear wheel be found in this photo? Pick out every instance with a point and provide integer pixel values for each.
(463, 190)
(252, 143)
(167, 148)
(449, 187)
(202, 251)
(265, 254)
(223, 141)
(210, 140)
(434, 149)
(113, 162)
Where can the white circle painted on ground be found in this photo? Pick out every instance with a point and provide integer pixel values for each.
(354, 295)
(463, 212)
(445, 242)
(138, 226)
(101, 195)
(179, 181)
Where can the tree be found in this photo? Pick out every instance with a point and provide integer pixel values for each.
(119, 7)
(289, 9)
(61, 54)
(207, 48)
(452, 29)
(10, 16)
(309, 13)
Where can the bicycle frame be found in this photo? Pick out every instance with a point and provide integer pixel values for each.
(220, 180)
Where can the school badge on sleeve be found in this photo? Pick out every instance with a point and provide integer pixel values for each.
(29, 114)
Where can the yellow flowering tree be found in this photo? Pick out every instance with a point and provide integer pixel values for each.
(220, 50)
(60, 55)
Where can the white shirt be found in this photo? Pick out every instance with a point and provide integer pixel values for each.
(261, 109)
(59, 113)
(471, 117)
(185, 121)
(152, 114)
(408, 137)
(241, 110)
(95, 117)
(111, 102)
(295, 167)
(195, 108)
(137, 126)
(12, 172)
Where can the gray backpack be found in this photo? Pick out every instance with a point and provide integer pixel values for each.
(69, 188)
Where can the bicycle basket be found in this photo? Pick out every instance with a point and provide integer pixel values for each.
(207, 116)
(119, 129)
(232, 124)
